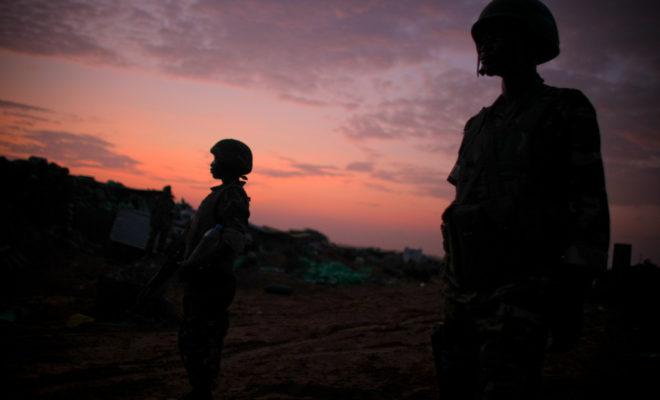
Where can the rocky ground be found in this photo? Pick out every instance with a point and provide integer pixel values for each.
(357, 342)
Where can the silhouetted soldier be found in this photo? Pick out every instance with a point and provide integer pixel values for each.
(217, 234)
(530, 222)
(161, 221)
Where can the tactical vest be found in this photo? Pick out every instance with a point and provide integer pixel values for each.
(490, 228)
(206, 216)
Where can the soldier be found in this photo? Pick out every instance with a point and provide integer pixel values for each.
(218, 232)
(530, 222)
(161, 221)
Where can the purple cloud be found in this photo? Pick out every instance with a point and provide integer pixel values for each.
(422, 181)
(360, 166)
(302, 100)
(290, 46)
(64, 28)
(437, 111)
(21, 107)
(298, 169)
(609, 38)
(19, 138)
(413, 178)
(71, 149)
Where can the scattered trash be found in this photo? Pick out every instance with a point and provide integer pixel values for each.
(334, 273)
(279, 289)
(8, 316)
(77, 320)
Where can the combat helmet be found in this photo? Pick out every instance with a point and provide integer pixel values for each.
(234, 156)
(532, 16)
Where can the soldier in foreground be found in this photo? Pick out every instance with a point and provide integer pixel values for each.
(529, 226)
(217, 234)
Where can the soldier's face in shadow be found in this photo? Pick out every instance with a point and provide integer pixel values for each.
(503, 51)
(216, 166)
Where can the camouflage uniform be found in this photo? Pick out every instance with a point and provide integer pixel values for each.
(210, 288)
(530, 208)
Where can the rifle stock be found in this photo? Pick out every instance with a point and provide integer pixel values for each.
(167, 270)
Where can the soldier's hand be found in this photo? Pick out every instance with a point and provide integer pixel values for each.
(185, 271)
(140, 302)
(565, 306)
(143, 296)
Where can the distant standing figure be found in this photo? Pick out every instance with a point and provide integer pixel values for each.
(529, 226)
(217, 234)
(161, 221)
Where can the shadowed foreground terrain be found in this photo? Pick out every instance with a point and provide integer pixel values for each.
(323, 343)
(360, 342)
(311, 319)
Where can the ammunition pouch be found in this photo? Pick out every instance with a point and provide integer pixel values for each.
(482, 248)
(564, 309)
(498, 234)
(438, 345)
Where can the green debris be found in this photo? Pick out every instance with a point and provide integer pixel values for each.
(8, 316)
(77, 320)
(333, 273)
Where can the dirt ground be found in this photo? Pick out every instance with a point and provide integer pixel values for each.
(360, 342)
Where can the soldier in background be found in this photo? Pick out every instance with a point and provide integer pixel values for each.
(529, 226)
(217, 234)
(161, 221)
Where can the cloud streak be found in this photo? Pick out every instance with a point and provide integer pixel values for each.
(360, 166)
(289, 46)
(399, 177)
(438, 111)
(299, 169)
(71, 149)
(24, 133)
(57, 28)
(12, 105)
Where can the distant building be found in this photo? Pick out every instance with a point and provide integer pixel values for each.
(412, 255)
(131, 228)
(183, 214)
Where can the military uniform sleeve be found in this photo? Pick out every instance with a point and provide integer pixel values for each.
(588, 222)
(456, 170)
(233, 213)
(455, 173)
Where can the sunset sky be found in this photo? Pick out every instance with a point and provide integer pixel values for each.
(353, 109)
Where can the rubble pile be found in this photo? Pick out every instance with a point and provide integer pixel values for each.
(309, 255)
(74, 238)
(632, 295)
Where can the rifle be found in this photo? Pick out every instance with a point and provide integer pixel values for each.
(209, 245)
(171, 265)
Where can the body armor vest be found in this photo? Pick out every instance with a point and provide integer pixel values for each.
(492, 228)
(208, 216)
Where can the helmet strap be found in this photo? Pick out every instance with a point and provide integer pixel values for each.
(480, 71)
(478, 63)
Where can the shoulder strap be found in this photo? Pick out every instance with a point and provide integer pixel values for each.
(220, 196)
(473, 129)
(544, 98)
(218, 199)
(529, 119)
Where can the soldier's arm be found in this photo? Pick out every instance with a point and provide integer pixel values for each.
(454, 174)
(227, 235)
(233, 212)
(589, 223)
